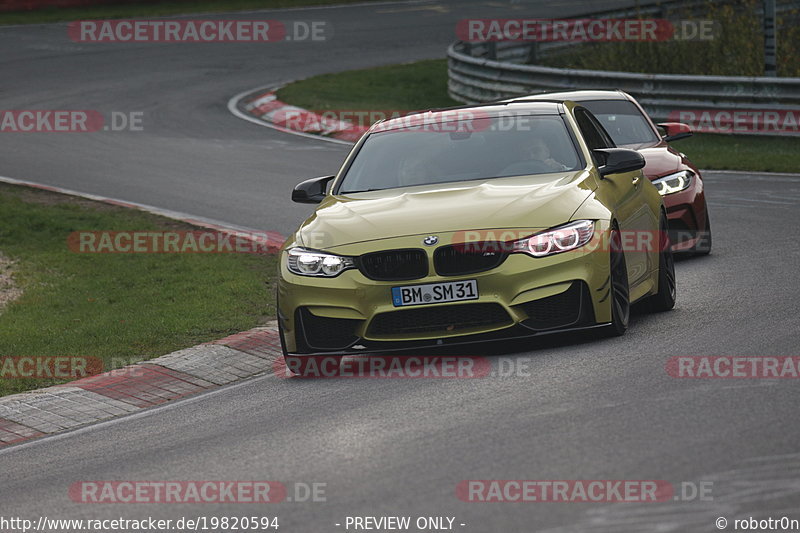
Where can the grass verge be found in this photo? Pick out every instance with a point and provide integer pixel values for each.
(405, 87)
(118, 307)
(758, 153)
(154, 9)
(423, 85)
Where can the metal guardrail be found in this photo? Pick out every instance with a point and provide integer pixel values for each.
(483, 72)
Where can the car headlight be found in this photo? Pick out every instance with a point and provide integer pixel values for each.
(554, 241)
(310, 263)
(673, 183)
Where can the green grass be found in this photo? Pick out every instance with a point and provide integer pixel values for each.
(742, 152)
(155, 9)
(423, 85)
(405, 87)
(118, 307)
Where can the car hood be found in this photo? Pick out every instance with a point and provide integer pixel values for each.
(661, 160)
(538, 201)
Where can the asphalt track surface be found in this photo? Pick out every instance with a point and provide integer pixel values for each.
(582, 408)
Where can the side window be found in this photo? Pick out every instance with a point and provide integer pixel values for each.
(594, 134)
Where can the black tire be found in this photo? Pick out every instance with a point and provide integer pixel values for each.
(664, 299)
(619, 296)
(703, 244)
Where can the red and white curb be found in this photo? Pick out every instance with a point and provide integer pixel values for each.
(269, 240)
(130, 389)
(262, 107)
(123, 391)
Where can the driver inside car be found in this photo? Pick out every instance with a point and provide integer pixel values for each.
(532, 156)
(538, 150)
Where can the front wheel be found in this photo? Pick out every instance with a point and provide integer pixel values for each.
(619, 291)
(664, 299)
(703, 245)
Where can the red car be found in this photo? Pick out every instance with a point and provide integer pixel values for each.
(676, 178)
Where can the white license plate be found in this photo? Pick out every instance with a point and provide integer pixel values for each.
(432, 293)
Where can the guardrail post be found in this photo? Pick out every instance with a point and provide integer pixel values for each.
(491, 50)
(770, 59)
(533, 53)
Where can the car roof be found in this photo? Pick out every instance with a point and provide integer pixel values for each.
(540, 106)
(575, 96)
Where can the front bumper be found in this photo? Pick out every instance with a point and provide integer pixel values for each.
(523, 296)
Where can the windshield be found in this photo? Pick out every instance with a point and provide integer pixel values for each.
(623, 121)
(492, 147)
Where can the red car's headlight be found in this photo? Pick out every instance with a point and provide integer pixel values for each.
(673, 183)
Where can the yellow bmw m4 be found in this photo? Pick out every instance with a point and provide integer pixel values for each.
(471, 224)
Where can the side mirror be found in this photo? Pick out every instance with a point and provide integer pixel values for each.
(675, 131)
(618, 160)
(311, 191)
